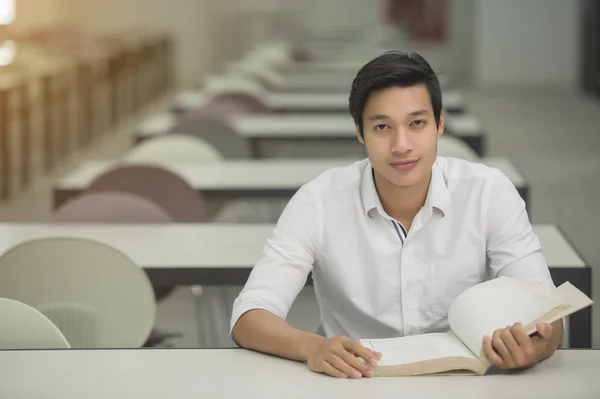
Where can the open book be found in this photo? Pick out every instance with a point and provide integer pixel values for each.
(478, 311)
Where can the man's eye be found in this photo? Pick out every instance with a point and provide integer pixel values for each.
(381, 127)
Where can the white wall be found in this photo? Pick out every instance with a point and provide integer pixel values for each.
(187, 20)
(526, 42)
(36, 14)
(453, 58)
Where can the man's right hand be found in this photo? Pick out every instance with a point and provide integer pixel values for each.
(339, 357)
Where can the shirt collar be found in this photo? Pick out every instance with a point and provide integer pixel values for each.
(437, 195)
(368, 192)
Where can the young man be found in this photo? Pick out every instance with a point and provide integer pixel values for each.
(392, 240)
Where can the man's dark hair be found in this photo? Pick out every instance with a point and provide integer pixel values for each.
(389, 70)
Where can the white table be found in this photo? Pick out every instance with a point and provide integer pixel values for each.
(453, 101)
(181, 253)
(265, 178)
(327, 77)
(238, 373)
(224, 254)
(278, 127)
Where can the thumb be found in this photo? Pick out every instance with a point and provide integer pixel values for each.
(545, 330)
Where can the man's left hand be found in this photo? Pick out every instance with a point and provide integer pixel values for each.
(511, 348)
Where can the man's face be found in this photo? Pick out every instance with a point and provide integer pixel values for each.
(400, 134)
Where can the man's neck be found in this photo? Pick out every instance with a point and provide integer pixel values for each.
(401, 203)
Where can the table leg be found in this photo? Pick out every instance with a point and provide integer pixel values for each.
(25, 126)
(580, 323)
(48, 122)
(4, 150)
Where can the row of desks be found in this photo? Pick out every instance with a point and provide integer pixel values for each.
(453, 101)
(232, 180)
(303, 127)
(224, 254)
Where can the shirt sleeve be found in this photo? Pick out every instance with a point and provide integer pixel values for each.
(286, 260)
(513, 249)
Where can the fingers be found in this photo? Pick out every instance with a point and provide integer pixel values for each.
(545, 331)
(335, 357)
(520, 335)
(366, 354)
(344, 367)
(515, 348)
(501, 348)
(510, 342)
(351, 360)
(491, 354)
(332, 371)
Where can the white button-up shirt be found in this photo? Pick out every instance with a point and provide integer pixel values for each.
(373, 282)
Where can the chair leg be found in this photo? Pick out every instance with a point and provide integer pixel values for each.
(211, 305)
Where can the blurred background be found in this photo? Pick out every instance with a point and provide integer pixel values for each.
(79, 77)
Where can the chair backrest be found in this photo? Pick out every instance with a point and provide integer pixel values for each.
(258, 70)
(24, 327)
(157, 124)
(233, 84)
(110, 207)
(174, 147)
(216, 132)
(225, 105)
(449, 146)
(166, 189)
(275, 55)
(77, 321)
(76, 271)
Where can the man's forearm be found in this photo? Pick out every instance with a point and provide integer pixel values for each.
(262, 331)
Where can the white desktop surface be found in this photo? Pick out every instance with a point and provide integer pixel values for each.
(236, 373)
(291, 101)
(259, 174)
(305, 125)
(181, 245)
(450, 99)
(268, 174)
(211, 245)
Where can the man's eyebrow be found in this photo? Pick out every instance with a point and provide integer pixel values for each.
(419, 112)
(378, 117)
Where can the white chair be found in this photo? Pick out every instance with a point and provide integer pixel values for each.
(189, 99)
(449, 146)
(94, 294)
(173, 147)
(233, 83)
(259, 69)
(276, 57)
(157, 124)
(23, 327)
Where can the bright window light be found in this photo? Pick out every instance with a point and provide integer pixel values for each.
(8, 50)
(7, 11)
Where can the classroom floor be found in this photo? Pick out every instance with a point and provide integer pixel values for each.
(552, 137)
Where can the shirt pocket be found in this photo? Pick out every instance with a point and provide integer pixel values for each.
(449, 283)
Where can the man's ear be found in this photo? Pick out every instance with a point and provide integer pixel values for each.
(441, 124)
(359, 136)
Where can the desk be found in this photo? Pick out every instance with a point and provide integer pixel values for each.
(224, 254)
(262, 129)
(453, 101)
(238, 373)
(333, 81)
(232, 180)
(333, 77)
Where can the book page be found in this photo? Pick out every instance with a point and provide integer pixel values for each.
(494, 304)
(416, 348)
